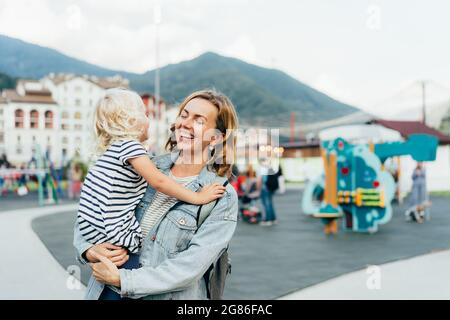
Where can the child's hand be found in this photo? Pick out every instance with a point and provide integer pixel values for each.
(209, 193)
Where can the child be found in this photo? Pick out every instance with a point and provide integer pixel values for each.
(118, 180)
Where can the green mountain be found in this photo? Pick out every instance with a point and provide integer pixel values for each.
(263, 97)
(22, 59)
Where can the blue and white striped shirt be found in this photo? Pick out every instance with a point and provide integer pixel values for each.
(112, 189)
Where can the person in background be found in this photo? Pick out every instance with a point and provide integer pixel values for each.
(269, 186)
(419, 195)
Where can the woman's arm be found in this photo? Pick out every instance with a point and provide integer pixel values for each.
(159, 181)
(182, 270)
(189, 265)
(85, 250)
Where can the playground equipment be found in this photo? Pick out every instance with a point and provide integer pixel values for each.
(355, 185)
(44, 173)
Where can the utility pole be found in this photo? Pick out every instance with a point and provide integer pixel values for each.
(157, 21)
(424, 115)
(292, 127)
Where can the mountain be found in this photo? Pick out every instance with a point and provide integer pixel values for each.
(262, 96)
(22, 59)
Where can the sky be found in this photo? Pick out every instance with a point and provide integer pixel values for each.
(362, 52)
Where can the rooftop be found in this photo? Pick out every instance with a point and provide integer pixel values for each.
(406, 128)
(11, 95)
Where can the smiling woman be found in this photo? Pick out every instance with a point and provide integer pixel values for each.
(176, 251)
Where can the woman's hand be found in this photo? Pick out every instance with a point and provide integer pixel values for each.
(105, 271)
(209, 193)
(115, 254)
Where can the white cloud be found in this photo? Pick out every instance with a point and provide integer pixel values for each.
(323, 43)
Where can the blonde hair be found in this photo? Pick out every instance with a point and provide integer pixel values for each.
(120, 114)
(226, 122)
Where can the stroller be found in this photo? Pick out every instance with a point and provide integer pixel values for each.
(249, 211)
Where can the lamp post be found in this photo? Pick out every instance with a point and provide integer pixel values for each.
(157, 21)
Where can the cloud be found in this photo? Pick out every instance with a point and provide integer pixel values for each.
(322, 43)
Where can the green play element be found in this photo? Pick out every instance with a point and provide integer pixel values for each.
(364, 190)
(44, 177)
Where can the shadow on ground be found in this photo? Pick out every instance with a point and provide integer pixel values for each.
(269, 262)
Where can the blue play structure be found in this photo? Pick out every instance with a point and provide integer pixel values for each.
(355, 185)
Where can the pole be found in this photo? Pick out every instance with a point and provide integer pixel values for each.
(157, 20)
(424, 115)
(292, 127)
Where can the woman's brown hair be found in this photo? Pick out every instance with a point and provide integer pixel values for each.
(222, 157)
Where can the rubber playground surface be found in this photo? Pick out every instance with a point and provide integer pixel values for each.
(269, 262)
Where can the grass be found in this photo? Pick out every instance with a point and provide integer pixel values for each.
(441, 193)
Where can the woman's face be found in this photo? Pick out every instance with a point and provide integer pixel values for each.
(195, 126)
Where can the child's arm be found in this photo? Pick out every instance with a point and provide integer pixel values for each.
(145, 167)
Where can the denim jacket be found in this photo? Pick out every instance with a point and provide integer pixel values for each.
(173, 257)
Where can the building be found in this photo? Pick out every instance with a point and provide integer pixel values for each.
(161, 118)
(54, 113)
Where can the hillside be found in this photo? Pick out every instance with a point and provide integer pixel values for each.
(263, 97)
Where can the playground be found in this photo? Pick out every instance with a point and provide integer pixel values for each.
(291, 260)
(271, 262)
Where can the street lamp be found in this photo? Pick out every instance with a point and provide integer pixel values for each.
(157, 22)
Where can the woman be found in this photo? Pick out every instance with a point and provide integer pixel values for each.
(419, 195)
(175, 255)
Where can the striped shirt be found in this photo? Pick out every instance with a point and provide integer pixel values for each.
(160, 205)
(111, 191)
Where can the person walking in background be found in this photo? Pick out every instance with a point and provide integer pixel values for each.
(419, 195)
(269, 186)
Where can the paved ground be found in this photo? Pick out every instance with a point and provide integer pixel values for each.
(424, 277)
(28, 270)
(269, 262)
(14, 202)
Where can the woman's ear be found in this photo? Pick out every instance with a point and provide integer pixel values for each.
(216, 140)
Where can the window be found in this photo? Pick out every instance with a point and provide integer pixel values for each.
(65, 115)
(18, 115)
(48, 119)
(78, 127)
(77, 102)
(77, 115)
(65, 140)
(2, 139)
(78, 89)
(65, 126)
(34, 119)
